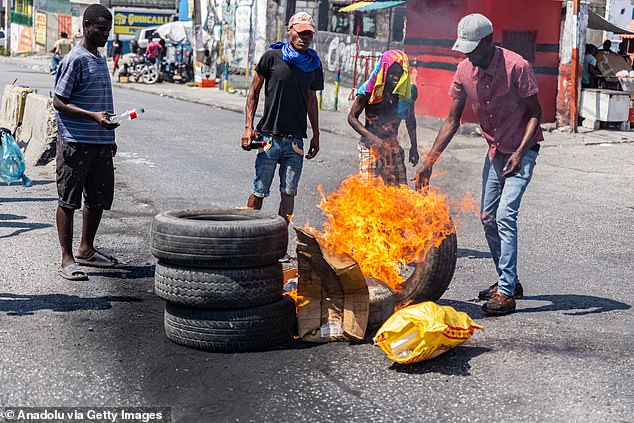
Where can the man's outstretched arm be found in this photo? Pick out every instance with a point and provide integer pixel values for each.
(445, 135)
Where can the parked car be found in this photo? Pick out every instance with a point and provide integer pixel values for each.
(2, 37)
(143, 37)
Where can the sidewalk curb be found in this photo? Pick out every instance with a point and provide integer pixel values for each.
(222, 106)
(553, 138)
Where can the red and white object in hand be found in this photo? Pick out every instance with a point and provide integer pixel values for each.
(129, 115)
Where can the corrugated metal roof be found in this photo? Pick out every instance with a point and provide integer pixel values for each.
(150, 4)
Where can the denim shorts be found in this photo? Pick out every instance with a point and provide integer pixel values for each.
(289, 154)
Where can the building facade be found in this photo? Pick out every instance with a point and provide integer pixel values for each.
(531, 29)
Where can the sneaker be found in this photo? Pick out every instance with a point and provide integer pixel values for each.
(499, 304)
(486, 294)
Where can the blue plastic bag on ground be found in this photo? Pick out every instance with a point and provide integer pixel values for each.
(12, 165)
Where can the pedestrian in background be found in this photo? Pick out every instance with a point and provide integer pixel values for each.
(78, 37)
(86, 146)
(292, 74)
(153, 50)
(116, 48)
(387, 98)
(60, 49)
(590, 74)
(502, 89)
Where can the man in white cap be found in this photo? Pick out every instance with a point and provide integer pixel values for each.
(502, 89)
(292, 74)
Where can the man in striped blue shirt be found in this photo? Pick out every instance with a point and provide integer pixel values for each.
(86, 146)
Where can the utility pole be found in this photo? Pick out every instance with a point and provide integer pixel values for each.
(7, 26)
(198, 36)
(290, 9)
(574, 71)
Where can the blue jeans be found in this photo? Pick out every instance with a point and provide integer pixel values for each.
(289, 154)
(500, 205)
(55, 59)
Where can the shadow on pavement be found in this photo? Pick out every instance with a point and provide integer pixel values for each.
(473, 309)
(454, 362)
(43, 182)
(23, 200)
(584, 304)
(122, 272)
(474, 254)
(20, 227)
(26, 305)
(577, 305)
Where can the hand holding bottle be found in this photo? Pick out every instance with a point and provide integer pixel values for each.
(129, 115)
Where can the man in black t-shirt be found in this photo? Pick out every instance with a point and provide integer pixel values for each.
(291, 74)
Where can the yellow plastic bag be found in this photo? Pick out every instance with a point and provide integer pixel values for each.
(423, 331)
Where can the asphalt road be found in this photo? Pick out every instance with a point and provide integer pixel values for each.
(565, 356)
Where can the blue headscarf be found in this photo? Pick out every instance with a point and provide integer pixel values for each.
(307, 62)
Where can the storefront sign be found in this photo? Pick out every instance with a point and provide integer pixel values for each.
(127, 23)
(26, 39)
(40, 28)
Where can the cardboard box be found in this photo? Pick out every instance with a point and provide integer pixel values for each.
(609, 64)
(336, 291)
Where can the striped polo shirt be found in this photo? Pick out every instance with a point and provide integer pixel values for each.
(83, 78)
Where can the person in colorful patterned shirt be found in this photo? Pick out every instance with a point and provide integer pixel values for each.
(502, 89)
(387, 98)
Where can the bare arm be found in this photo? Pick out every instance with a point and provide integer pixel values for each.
(249, 110)
(359, 105)
(410, 123)
(514, 162)
(445, 135)
(313, 117)
(64, 106)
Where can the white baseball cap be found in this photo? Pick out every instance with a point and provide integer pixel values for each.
(471, 30)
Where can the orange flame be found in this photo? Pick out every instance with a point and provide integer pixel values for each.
(403, 305)
(300, 301)
(384, 228)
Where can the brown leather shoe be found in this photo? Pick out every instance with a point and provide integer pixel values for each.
(486, 294)
(499, 304)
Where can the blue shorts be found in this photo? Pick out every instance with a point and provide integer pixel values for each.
(289, 154)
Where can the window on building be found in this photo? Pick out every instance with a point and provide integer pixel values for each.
(339, 22)
(398, 24)
(521, 42)
(365, 23)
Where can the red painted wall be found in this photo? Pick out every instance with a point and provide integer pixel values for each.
(64, 23)
(431, 31)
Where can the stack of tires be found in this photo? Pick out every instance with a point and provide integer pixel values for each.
(220, 274)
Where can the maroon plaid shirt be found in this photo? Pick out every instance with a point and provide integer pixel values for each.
(496, 95)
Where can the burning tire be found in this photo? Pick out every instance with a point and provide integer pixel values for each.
(237, 330)
(218, 239)
(219, 288)
(381, 302)
(431, 277)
